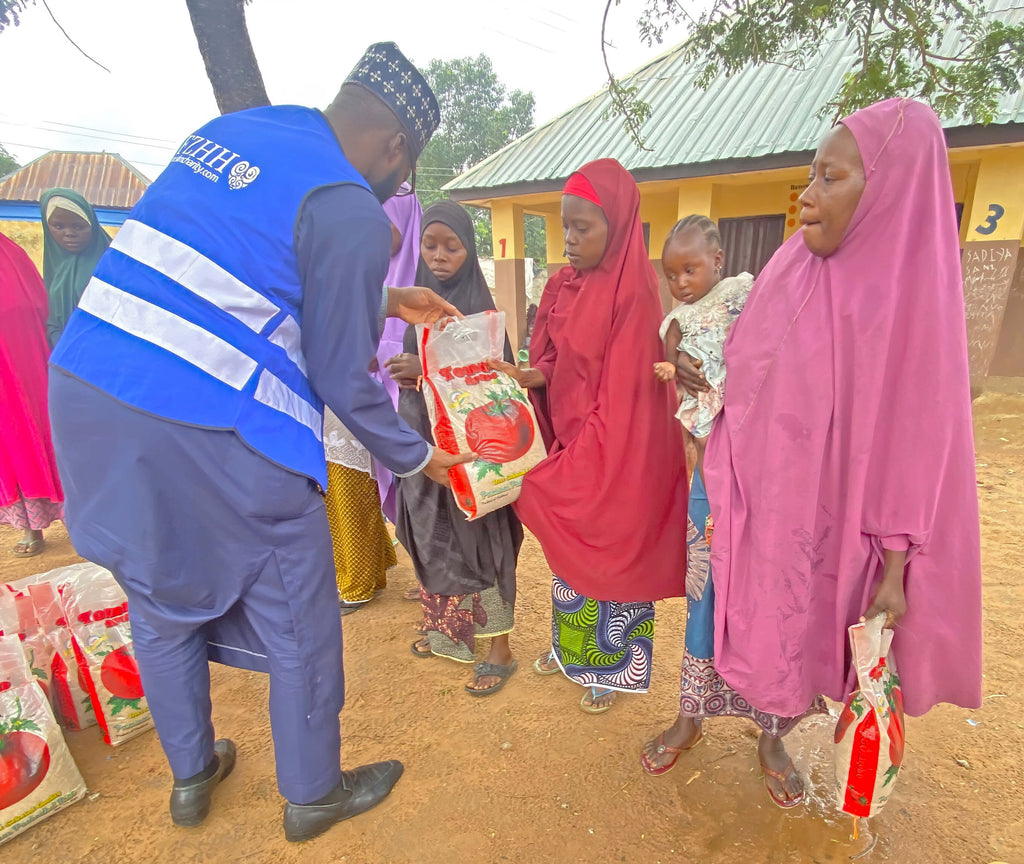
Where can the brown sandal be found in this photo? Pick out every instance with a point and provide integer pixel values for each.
(781, 776)
(664, 748)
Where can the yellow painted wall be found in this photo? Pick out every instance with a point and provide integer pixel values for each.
(997, 199)
(554, 240)
(29, 236)
(660, 210)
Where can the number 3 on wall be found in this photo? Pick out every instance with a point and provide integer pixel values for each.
(995, 213)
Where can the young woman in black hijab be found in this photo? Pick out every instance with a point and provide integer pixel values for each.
(466, 570)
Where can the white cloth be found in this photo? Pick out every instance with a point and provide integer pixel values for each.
(341, 446)
(705, 324)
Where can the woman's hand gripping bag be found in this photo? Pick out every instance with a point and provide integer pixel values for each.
(475, 408)
(96, 610)
(38, 777)
(870, 732)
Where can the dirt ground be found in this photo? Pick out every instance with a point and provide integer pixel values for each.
(525, 776)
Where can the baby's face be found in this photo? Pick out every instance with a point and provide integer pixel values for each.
(691, 266)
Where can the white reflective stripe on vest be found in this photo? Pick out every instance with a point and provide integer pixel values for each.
(195, 272)
(273, 392)
(171, 332)
(289, 336)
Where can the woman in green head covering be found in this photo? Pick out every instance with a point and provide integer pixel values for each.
(73, 242)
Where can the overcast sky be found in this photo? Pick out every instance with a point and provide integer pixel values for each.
(157, 91)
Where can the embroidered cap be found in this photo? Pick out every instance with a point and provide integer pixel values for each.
(385, 72)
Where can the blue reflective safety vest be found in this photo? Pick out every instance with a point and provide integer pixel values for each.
(194, 312)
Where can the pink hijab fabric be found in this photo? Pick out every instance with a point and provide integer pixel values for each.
(28, 468)
(404, 212)
(846, 431)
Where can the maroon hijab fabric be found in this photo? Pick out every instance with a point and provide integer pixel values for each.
(608, 505)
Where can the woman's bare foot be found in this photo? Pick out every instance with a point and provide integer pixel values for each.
(780, 776)
(681, 735)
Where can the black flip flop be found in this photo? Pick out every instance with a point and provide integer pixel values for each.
(418, 653)
(491, 670)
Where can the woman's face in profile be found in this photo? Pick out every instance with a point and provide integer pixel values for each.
(586, 232)
(71, 231)
(829, 202)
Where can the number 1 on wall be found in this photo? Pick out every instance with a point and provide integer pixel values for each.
(501, 243)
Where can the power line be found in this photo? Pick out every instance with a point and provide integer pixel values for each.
(90, 129)
(89, 135)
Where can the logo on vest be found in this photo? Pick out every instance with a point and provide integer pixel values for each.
(242, 175)
(210, 160)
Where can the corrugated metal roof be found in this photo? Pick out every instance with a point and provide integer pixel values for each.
(759, 112)
(104, 179)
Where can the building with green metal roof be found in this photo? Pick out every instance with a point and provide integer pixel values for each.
(738, 152)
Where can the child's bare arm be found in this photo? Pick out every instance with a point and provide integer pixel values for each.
(672, 339)
(666, 369)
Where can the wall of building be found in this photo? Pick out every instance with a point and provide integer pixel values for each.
(987, 181)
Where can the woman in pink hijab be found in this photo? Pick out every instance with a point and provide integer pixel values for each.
(841, 473)
(31, 497)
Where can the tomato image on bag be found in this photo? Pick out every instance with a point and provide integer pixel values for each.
(24, 758)
(38, 777)
(475, 408)
(869, 734)
(96, 610)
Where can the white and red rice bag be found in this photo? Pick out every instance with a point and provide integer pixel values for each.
(475, 408)
(65, 685)
(38, 777)
(96, 610)
(869, 735)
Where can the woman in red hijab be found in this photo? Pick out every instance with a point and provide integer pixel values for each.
(30, 493)
(608, 505)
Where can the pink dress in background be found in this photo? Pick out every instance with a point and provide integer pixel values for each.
(30, 491)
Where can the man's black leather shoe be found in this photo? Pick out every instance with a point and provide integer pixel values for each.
(359, 790)
(190, 802)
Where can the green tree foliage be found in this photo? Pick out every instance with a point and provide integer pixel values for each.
(900, 50)
(10, 12)
(479, 115)
(7, 162)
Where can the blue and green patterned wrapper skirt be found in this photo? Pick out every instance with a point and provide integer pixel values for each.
(602, 643)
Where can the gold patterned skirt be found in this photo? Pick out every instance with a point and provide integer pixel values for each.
(363, 550)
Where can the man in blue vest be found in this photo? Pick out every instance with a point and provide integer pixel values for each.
(243, 292)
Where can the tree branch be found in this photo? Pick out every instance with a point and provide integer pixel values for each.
(625, 102)
(72, 41)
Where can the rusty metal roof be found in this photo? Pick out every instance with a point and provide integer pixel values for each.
(762, 117)
(104, 179)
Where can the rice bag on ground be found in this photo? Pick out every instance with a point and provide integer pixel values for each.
(38, 776)
(96, 610)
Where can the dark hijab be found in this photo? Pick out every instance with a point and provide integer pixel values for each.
(467, 290)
